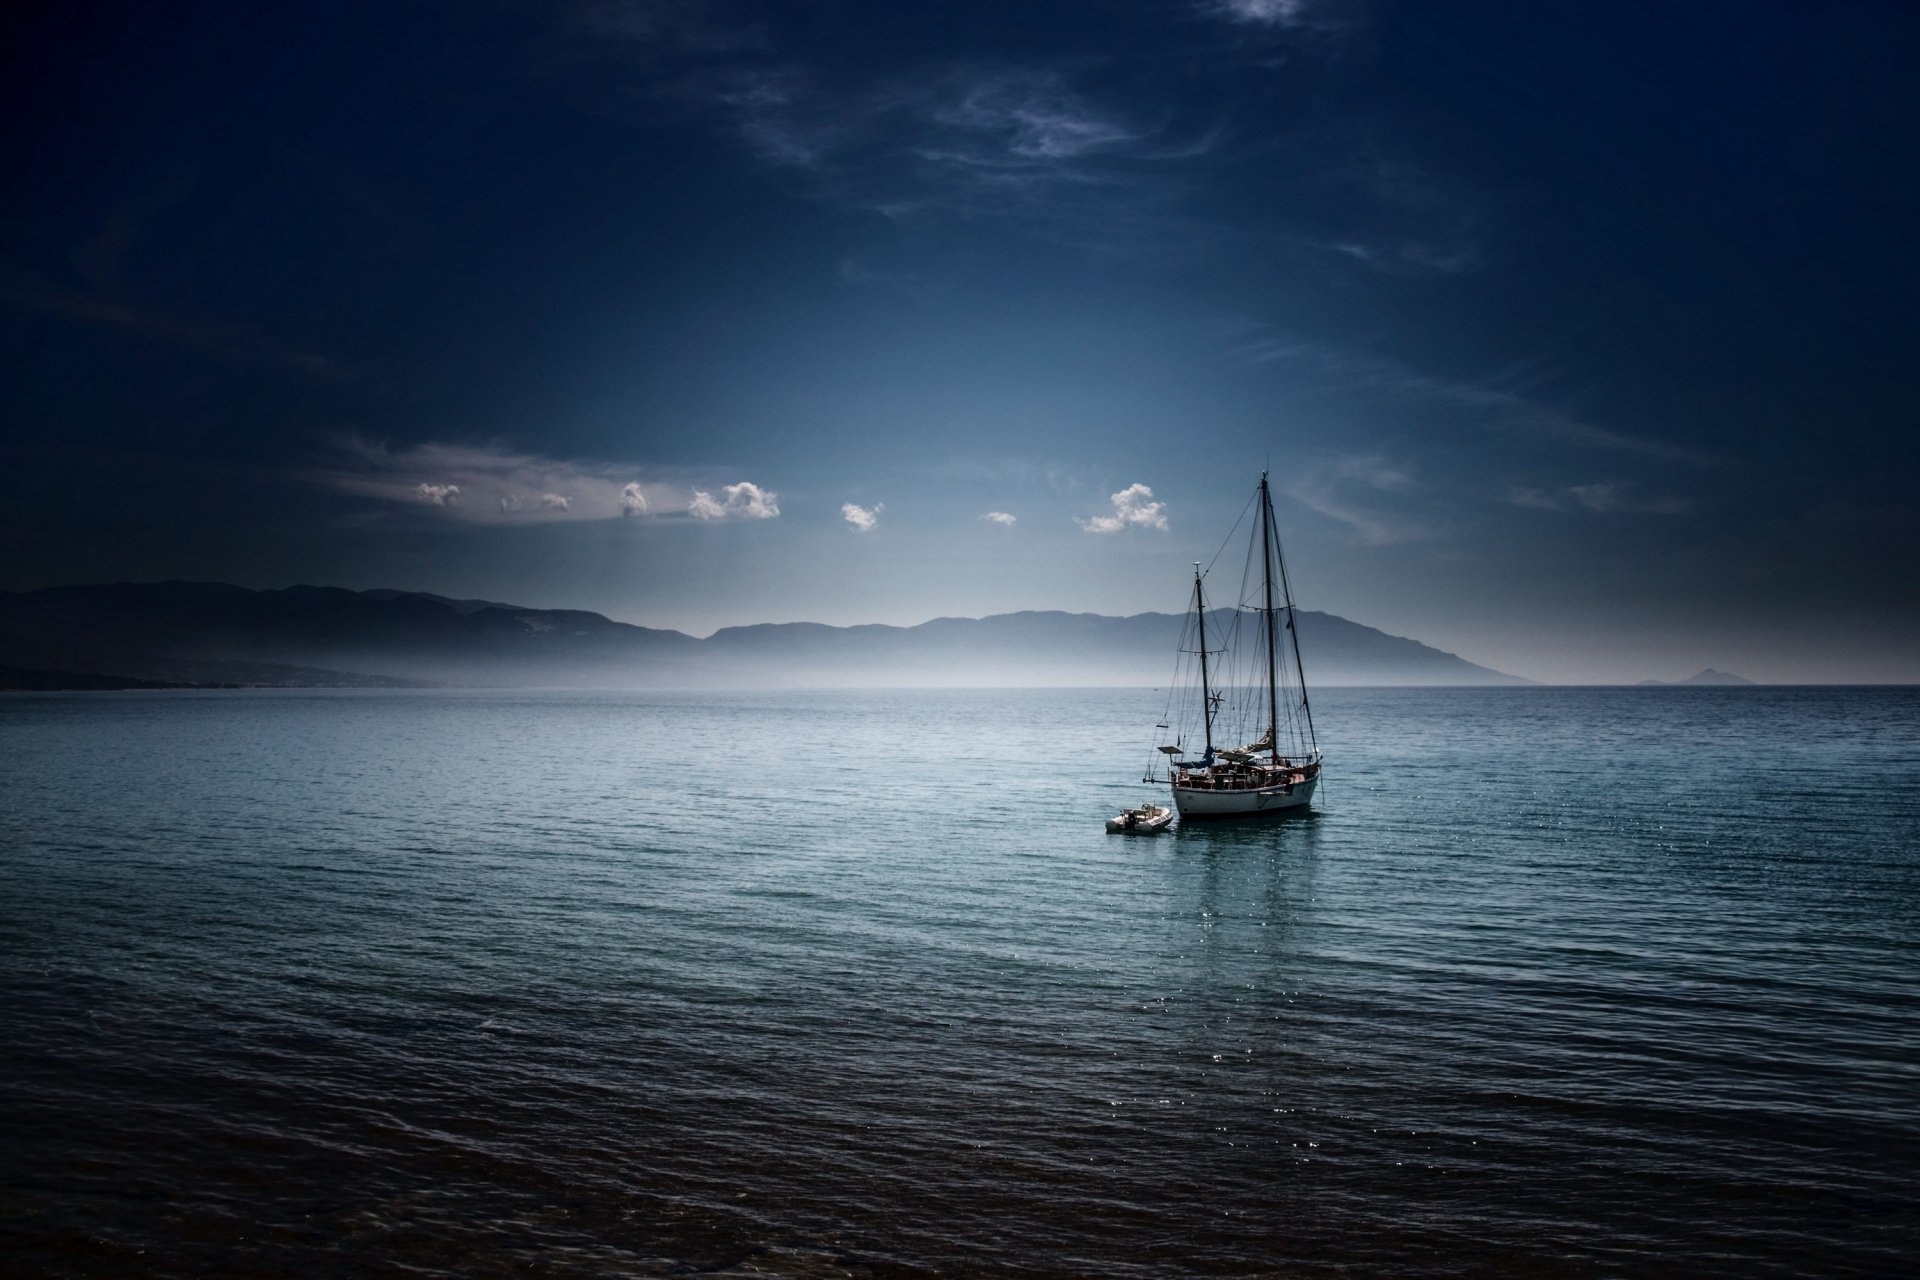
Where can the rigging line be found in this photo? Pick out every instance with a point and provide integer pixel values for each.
(1229, 538)
(1286, 590)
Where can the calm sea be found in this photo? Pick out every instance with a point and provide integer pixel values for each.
(1589, 982)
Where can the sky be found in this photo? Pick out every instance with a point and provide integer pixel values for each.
(1579, 340)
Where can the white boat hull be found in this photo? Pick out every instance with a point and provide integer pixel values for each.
(1194, 802)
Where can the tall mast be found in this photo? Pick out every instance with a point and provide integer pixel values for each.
(1206, 691)
(1266, 573)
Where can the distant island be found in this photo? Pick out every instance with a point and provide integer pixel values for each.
(135, 635)
(1709, 676)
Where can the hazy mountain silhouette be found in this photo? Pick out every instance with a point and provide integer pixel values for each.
(211, 632)
(1709, 676)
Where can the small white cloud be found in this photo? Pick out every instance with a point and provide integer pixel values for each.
(1132, 506)
(438, 495)
(999, 517)
(632, 501)
(509, 504)
(746, 500)
(862, 518)
(557, 502)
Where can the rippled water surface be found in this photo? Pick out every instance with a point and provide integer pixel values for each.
(1600, 982)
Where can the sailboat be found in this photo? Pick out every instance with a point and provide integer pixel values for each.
(1245, 745)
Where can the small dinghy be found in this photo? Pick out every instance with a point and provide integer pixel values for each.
(1144, 821)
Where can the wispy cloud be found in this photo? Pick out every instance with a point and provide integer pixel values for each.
(1602, 498)
(1102, 153)
(861, 275)
(1287, 18)
(493, 484)
(1349, 193)
(1347, 488)
(1133, 508)
(1263, 13)
(17, 289)
(686, 26)
(745, 500)
(863, 519)
(966, 120)
(1024, 143)
(1489, 407)
(513, 502)
(1002, 518)
(776, 111)
(1021, 116)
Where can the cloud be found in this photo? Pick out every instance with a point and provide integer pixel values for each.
(776, 112)
(1597, 497)
(548, 502)
(863, 519)
(1536, 499)
(1132, 508)
(1098, 151)
(18, 289)
(1264, 13)
(1101, 153)
(1602, 498)
(1023, 143)
(1487, 406)
(490, 483)
(1371, 470)
(1409, 256)
(1019, 116)
(860, 275)
(999, 517)
(684, 26)
(954, 122)
(745, 500)
(1344, 488)
(1289, 19)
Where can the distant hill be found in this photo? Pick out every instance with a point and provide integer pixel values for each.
(16, 679)
(1709, 676)
(214, 633)
(1055, 648)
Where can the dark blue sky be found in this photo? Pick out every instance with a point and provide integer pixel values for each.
(1580, 339)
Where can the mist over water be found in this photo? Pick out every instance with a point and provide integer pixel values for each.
(1590, 981)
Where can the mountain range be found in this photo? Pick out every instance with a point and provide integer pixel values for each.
(1707, 677)
(213, 633)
